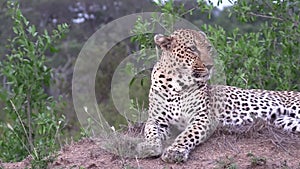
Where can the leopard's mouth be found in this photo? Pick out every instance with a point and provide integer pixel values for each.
(201, 74)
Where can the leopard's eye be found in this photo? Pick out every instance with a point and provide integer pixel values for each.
(192, 48)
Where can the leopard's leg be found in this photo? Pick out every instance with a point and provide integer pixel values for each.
(156, 130)
(200, 127)
(288, 123)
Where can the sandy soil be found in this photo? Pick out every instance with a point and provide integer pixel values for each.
(264, 148)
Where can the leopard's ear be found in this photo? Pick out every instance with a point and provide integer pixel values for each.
(164, 42)
(202, 33)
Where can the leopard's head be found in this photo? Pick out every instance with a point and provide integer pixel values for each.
(188, 50)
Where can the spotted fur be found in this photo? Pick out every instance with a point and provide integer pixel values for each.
(180, 96)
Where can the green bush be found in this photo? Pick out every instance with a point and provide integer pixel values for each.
(32, 120)
(266, 58)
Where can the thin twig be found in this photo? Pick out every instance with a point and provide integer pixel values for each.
(265, 16)
(188, 11)
(30, 140)
(19, 117)
(162, 24)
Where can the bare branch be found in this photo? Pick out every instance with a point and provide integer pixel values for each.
(265, 16)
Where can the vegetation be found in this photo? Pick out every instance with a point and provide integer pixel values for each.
(265, 57)
(226, 163)
(256, 161)
(33, 124)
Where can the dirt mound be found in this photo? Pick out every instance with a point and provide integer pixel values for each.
(243, 148)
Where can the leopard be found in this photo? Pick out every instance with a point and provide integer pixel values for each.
(181, 95)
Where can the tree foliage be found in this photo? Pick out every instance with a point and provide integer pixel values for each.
(32, 121)
(265, 56)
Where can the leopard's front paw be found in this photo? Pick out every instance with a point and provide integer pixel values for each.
(146, 149)
(175, 155)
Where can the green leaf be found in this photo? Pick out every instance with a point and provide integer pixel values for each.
(15, 30)
(132, 81)
(32, 30)
(53, 49)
